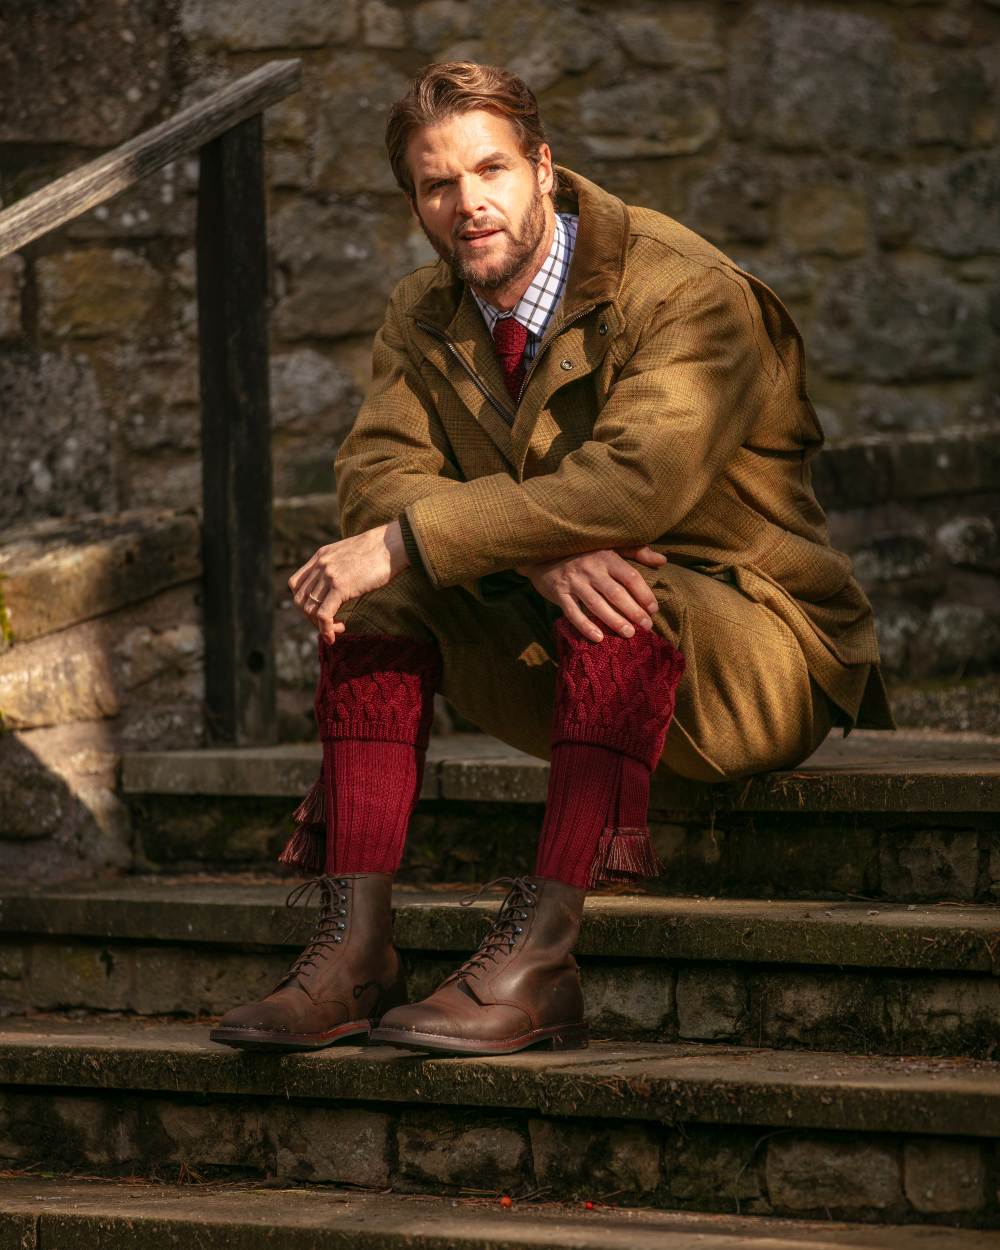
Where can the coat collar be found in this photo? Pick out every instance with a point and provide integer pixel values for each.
(596, 271)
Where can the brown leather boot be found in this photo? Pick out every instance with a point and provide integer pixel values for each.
(520, 988)
(348, 975)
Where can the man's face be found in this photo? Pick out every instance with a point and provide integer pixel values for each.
(480, 202)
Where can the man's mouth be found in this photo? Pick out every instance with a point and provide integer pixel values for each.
(477, 238)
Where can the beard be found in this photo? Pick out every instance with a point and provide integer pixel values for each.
(518, 254)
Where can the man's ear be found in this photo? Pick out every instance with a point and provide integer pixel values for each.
(543, 169)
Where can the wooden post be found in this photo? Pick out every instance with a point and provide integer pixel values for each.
(238, 576)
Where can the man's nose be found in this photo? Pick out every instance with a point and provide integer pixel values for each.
(470, 197)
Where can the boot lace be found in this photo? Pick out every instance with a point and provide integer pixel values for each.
(328, 931)
(503, 934)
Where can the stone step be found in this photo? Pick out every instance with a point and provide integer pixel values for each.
(688, 1126)
(907, 817)
(94, 1215)
(897, 979)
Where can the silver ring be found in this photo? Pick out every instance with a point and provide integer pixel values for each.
(313, 599)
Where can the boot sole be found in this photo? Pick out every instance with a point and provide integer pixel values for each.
(565, 1037)
(273, 1040)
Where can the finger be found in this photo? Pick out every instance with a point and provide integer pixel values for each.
(300, 573)
(578, 619)
(646, 555)
(638, 592)
(605, 613)
(626, 599)
(311, 590)
(324, 618)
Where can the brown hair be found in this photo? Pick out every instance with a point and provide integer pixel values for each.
(444, 90)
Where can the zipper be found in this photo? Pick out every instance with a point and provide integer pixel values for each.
(487, 394)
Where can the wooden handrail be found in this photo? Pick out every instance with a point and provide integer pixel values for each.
(83, 189)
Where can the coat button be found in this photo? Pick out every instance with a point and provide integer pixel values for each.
(565, 364)
(602, 328)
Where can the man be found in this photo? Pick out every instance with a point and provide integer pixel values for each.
(577, 501)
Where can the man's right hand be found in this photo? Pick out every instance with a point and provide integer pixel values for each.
(599, 588)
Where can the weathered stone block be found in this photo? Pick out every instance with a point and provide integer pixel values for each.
(89, 74)
(215, 1134)
(473, 1151)
(650, 115)
(64, 974)
(625, 1000)
(11, 286)
(929, 864)
(168, 980)
(839, 73)
(351, 158)
(312, 394)
(343, 1146)
(357, 252)
(732, 202)
(711, 1002)
(60, 572)
(838, 1174)
(821, 1009)
(941, 1176)
(973, 541)
(583, 1159)
(897, 625)
(893, 558)
(437, 23)
(829, 219)
(952, 99)
(65, 1129)
(57, 439)
(59, 784)
(685, 35)
(951, 208)
(384, 26)
(703, 1170)
(949, 1015)
(251, 24)
(96, 291)
(958, 638)
(883, 323)
(57, 680)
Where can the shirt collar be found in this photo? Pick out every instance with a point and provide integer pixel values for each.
(535, 307)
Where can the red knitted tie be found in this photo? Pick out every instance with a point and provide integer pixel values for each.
(511, 337)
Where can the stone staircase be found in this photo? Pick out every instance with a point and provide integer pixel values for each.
(802, 1033)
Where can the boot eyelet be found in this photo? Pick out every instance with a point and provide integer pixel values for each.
(338, 938)
(532, 885)
(520, 930)
(341, 925)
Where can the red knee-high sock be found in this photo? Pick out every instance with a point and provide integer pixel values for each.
(614, 703)
(374, 704)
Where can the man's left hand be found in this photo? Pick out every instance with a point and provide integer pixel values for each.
(345, 570)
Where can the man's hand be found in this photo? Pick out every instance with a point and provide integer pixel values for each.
(344, 570)
(599, 585)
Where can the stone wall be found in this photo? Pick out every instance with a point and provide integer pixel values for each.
(847, 154)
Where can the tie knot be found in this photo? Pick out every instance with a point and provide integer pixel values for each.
(510, 337)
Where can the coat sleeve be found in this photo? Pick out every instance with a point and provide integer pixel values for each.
(683, 402)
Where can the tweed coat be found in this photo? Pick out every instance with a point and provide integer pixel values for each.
(666, 405)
